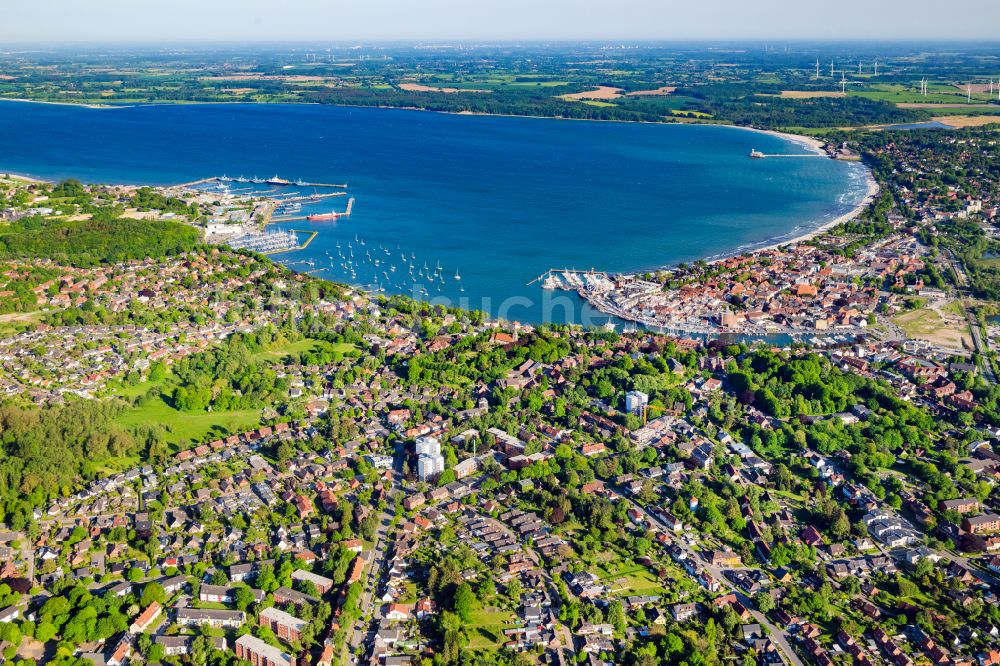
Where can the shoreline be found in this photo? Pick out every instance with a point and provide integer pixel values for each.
(20, 176)
(84, 105)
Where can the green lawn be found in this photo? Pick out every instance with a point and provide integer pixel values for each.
(486, 628)
(278, 353)
(297, 347)
(635, 580)
(631, 579)
(195, 426)
(191, 426)
(110, 466)
(16, 322)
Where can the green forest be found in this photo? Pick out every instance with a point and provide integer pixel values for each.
(105, 238)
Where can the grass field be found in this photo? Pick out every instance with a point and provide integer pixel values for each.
(943, 325)
(297, 347)
(15, 322)
(626, 579)
(278, 353)
(195, 426)
(899, 93)
(486, 627)
(810, 94)
(189, 426)
(110, 465)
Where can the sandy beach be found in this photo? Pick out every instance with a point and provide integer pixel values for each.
(9, 175)
(85, 106)
(812, 143)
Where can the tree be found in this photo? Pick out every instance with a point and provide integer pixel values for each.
(44, 632)
(464, 602)
(242, 597)
(266, 579)
(153, 592)
(764, 602)
(155, 654)
(616, 615)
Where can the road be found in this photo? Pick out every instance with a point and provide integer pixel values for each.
(778, 635)
(27, 556)
(363, 633)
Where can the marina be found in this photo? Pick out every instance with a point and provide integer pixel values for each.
(269, 242)
(274, 180)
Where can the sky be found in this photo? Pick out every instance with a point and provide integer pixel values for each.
(454, 20)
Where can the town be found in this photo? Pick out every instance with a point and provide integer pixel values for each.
(207, 458)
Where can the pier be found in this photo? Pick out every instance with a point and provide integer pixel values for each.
(763, 155)
(262, 181)
(569, 271)
(193, 183)
(313, 197)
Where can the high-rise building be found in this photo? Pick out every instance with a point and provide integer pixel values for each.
(635, 401)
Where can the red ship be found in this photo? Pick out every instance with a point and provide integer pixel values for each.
(320, 217)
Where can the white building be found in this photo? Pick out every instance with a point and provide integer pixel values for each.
(430, 462)
(635, 401)
(429, 467)
(428, 446)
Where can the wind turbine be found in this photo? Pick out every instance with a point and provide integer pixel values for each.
(968, 93)
(876, 66)
(817, 73)
(859, 66)
(843, 83)
(831, 69)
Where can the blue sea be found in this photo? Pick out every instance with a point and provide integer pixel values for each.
(494, 200)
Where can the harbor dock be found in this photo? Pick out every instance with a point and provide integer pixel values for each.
(262, 181)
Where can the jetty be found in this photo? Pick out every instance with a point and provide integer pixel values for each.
(554, 272)
(757, 155)
(262, 181)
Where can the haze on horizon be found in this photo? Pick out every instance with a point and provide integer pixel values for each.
(467, 20)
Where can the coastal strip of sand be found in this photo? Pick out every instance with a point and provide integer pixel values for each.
(809, 142)
(9, 175)
(82, 105)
